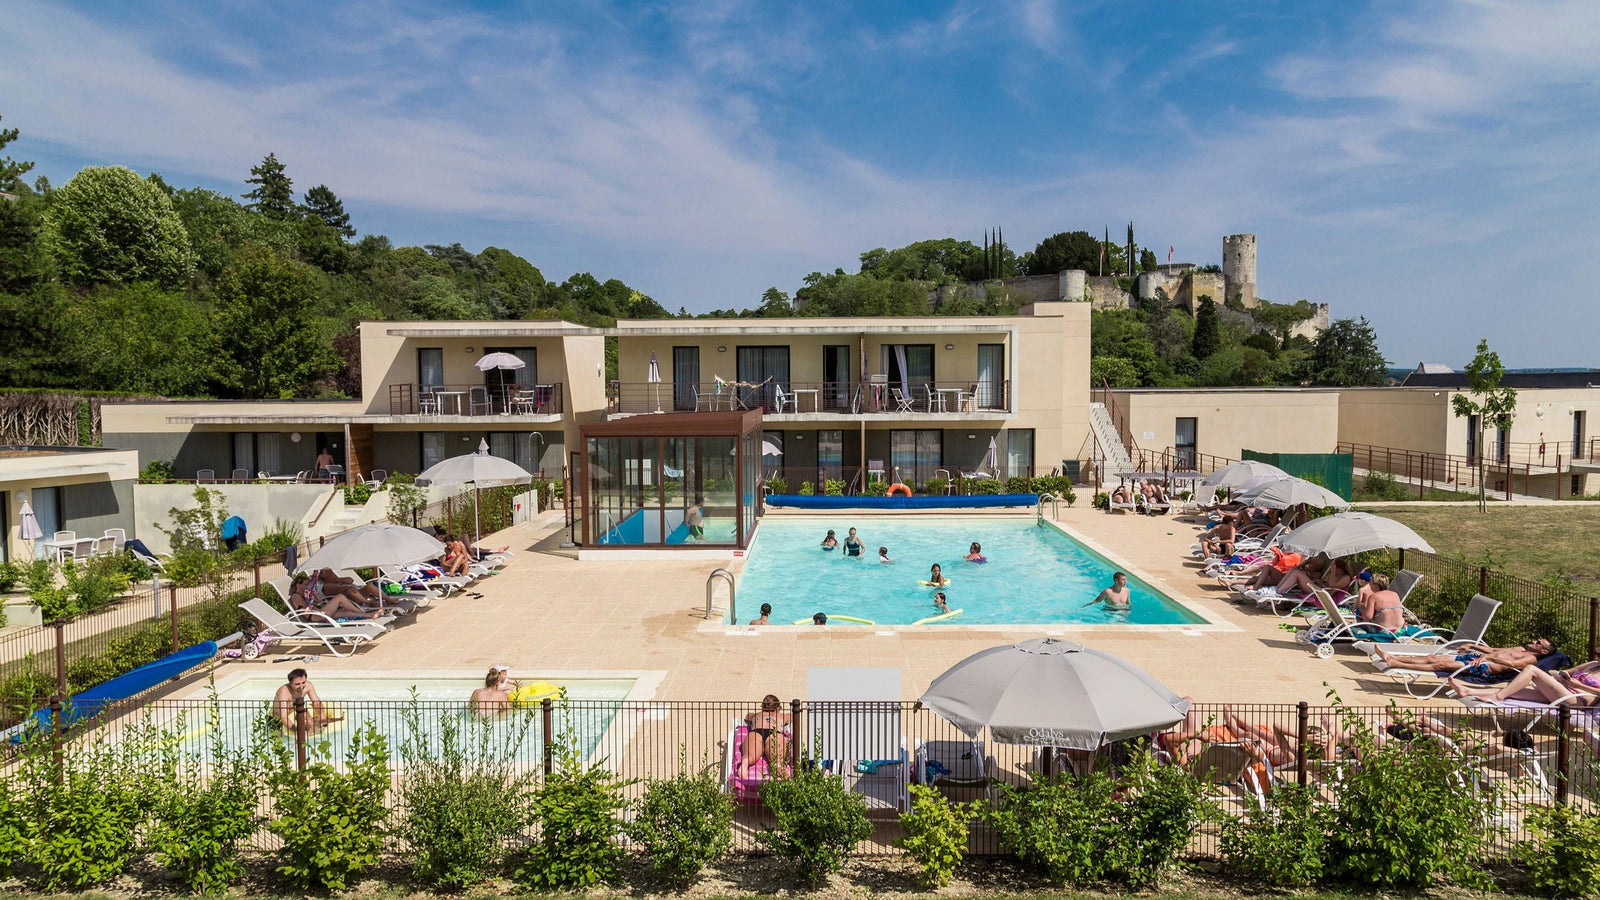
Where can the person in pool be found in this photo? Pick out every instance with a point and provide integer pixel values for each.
(299, 688)
(852, 544)
(766, 614)
(936, 577)
(495, 695)
(695, 521)
(939, 601)
(830, 542)
(819, 619)
(1116, 596)
(975, 553)
(883, 556)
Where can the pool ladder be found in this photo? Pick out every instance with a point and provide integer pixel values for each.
(711, 586)
(1055, 509)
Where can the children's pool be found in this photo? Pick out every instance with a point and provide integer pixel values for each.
(1034, 574)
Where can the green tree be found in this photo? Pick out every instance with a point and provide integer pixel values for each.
(1147, 260)
(273, 194)
(1113, 370)
(109, 225)
(1346, 355)
(271, 347)
(1207, 333)
(1065, 251)
(323, 205)
(142, 339)
(11, 171)
(1487, 400)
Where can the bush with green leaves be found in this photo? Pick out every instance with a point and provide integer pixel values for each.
(204, 806)
(806, 489)
(1282, 844)
(197, 556)
(982, 486)
(331, 822)
(833, 487)
(778, 484)
(1563, 857)
(462, 796)
(357, 494)
(1411, 813)
(818, 822)
(74, 588)
(1019, 484)
(938, 484)
(15, 812)
(1065, 827)
(10, 574)
(406, 500)
(576, 812)
(1382, 486)
(683, 823)
(1161, 807)
(935, 834)
(84, 809)
(877, 487)
(158, 471)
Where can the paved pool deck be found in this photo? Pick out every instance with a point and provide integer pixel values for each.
(548, 613)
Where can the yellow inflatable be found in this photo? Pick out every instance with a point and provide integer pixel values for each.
(535, 693)
(944, 583)
(939, 618)
(834, 618)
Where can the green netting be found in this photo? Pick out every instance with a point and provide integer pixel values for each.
(1331, 470)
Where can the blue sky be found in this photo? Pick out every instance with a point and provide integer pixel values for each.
(1432, 166)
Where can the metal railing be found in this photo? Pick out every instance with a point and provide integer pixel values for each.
(821, 398)
(1444, 471)
(476, 400)
(711, 586)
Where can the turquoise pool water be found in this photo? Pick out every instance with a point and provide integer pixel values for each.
(1034, 575)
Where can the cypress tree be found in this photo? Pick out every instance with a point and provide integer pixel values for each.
(1207, 330)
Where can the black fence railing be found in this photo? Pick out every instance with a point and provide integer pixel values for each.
(915, 397)
(1241, 752)
(476, 399)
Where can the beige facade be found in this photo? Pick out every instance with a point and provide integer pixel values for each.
(1227, 421)
(71, 489)
(872, 389)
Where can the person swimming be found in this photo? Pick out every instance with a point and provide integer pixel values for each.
(975, 554)
(830, 542)
(852, 544)
(936, 577)
(1115, 597)
(819, 619)
(939, 601)
(883, 556)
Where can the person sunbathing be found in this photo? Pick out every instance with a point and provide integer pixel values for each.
(1121, 494)
(306, 593)
(1336, 579)
(1479, 659)
(1382, 607)
(1266, 574)
(456, 560)
(1219, 541)
(1537, 685)
(768, 737)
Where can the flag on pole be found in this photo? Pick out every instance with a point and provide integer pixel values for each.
(1169, 253)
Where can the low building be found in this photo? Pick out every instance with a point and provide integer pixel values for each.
(82, 491)
(1223, 422)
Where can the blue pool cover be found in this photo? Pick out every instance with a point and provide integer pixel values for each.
(931, 501)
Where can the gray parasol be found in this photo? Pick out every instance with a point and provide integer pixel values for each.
(1342, 534)
(377, 544)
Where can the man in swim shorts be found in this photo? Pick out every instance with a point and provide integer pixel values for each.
(1116, 596)
(1480, 660)
(299, 688)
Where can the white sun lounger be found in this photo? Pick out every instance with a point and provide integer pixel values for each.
(332, 635)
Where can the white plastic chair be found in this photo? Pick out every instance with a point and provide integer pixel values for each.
(118, 537)
(65, 536)
(478, 401)
(427, 401)
(786, 399)
(378, 476)
(706, 400)
(901, 401)
(935, 399)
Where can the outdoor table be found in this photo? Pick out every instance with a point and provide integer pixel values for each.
(455, 399)
(954, 401)
(63, 549)
(816, 398)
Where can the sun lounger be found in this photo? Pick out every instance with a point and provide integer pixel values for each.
(747, 789)
(1113, 506)
(1335, 625)
(953, 764)
(332, 635)
(284, 588)
(1234, 770)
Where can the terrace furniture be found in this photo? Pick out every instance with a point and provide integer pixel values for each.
(953, 764)
(239, 476)
(378, 476)
(785, 399)
(706, 401)
(816, 398)
(478, 401)
(454, 398)
(524, 401)
(949, 399)
(64, 536)
(874, 469)
(119, 537)
(103, 546)
(428, 401)
(205, 475)
(313, 627)
(901, 401)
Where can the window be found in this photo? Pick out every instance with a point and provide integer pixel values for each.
(767, 367)
(1577, 434)
(47, 512)
(433, 449)
(1502, 444)
(1019, 451)
(836, 377)
(244, 452)
(991, 376)
(521, 447)
(685, 377)
(1473, 430)
(430, 366)
(914, 455)
(1185, 441)
(909, 368)
(830, 455)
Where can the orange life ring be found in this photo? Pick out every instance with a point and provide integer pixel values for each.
(897, 486)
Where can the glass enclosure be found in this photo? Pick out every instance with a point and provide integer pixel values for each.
(672, 481)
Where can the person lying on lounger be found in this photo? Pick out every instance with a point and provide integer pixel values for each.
(1481, 658)
(1269, 573)
(1336, 579)
(1379, 605)
(1539, 686)
(768, 737)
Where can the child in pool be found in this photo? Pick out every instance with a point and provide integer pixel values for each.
(852, 544)
(936, 577)
(830, 542)
(975, 554)
(939, 601)
(883, 556)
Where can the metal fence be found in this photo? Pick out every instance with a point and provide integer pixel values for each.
(1240, 752)
(1530, 609)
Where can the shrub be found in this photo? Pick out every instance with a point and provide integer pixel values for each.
(818, 821)
(1102, 500)
(14, 812)
(271, 544)
(84, 811)
(1382, 486)
(158, 471)
(81, 589)
(938, 484)
(935, 834)
(406, 500)
(204, 809)
(1064, 827)
(1019, 484)
(1563, 858)
(1162, 806)
(833, 487)
(462, 797)
(806, 490)
(10, 574)
(1281, 845)
(331, 822)
(357, 494)
(683, 823)
(778, 484)
(876, 488)
(576, 812)
(982, 486)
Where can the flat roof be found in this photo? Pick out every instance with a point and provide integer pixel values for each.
(805, 326)
(1264, 389)
(497, 328)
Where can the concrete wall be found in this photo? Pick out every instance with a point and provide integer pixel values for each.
(260, 505)
(1229, 420)
(399, 448)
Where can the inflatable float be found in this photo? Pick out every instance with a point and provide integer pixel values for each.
(940, 617)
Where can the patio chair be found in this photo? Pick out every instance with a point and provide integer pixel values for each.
(411, 580)
(313, 628)
(1132, 505)
(784, 398)
(62, 536)
(427, 401)
(1200, 501)
(1336, 624)
(935, 399)
(479, 403)
(378, 476)
(953, 764)
(853, 721)
(1234, 770)
(283, 586)
(902, 403)
(205, 475)
(147, 559)
(239, 476)
(119, 537)
(746, 790)
(706, 400)
(104, 546)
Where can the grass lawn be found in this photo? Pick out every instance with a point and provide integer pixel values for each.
(1530, 541)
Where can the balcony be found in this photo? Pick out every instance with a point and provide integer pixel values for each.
(822, 399)
(476, 400)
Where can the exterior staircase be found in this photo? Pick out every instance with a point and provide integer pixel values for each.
(1114, 458)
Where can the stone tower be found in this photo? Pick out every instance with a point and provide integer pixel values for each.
(1239, 267)
(1072, 284)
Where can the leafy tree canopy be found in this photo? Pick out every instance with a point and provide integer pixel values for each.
(109, 225)
(1347, 355)
(273, 194)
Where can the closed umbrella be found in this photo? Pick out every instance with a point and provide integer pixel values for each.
(1053, 693)
(1288, 492)
(376, 544)
(478, 470)
(655, 378)
(1238, 473)
(991, 460)
(1342, 534)
(29, 525)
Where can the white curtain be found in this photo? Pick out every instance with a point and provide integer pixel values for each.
(905, 376)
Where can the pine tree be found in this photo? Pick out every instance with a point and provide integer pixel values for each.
(1207, 331)
(10, 169)
(324, 206)
(274, 192)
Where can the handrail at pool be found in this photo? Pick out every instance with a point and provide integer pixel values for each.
(711, 586)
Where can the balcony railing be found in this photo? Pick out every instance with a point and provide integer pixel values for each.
(918, 397)
(475, 400)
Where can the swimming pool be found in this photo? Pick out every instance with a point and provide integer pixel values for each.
(1034, 574)
(384, 702)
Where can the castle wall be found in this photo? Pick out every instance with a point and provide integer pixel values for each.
(1104, 293)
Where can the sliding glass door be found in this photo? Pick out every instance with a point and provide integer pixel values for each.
(764, 369)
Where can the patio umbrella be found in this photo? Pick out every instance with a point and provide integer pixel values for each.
(1240, 472)
(29, 525)
(377, 544)
(1288, 492)
(478, 470)
(991, 460)
(1342, 534)
(655, 378)
(1053, 693)
(483, 446)
(499, 361)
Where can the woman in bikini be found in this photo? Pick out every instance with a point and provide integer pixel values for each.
(1381, 606)
(768, 737)
(936, 577)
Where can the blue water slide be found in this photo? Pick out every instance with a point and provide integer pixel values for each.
(89, 703)
(931, 501)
